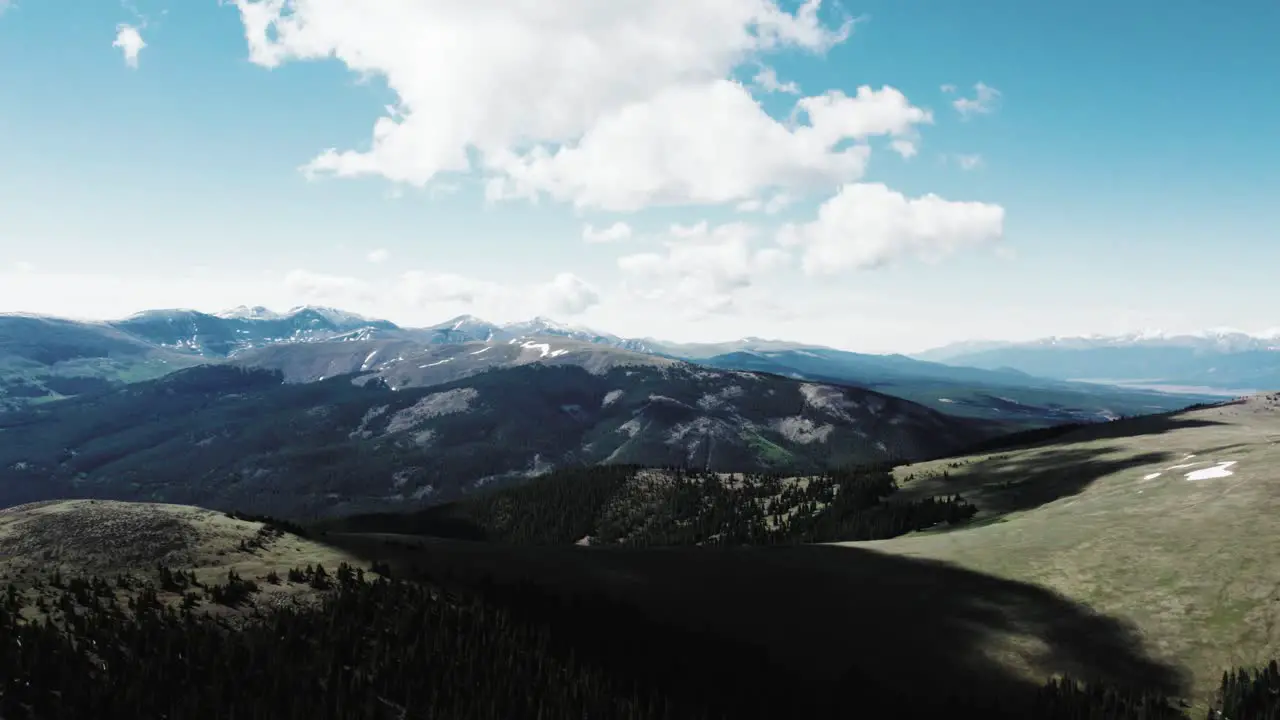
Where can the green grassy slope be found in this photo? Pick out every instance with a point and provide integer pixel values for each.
(1108, 517)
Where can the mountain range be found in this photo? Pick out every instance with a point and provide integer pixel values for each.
(1226, 361)
(42, 359)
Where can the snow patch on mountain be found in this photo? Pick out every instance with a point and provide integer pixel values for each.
(630, 427)
(543, 348)
(827, 399)
(242, 312)
(447, 402)
(362, 430)
(711, 401)
(802, 430)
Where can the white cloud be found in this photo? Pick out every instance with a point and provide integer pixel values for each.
(777, 204)
(327, 288)
(969, 162)
(702, 269)
(710, 144)
(380, 255)
(615, 105)
(868, 225)
(767, 80)
(948, 88)
(130, 42)
(417, 287)
(23, 266)
(772, 206)
(905, 148)
(983, 101)
(616, 232)
(566, 294)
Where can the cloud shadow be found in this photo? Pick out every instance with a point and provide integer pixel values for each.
(832, 616)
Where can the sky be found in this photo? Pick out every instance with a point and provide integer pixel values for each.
(880, 176)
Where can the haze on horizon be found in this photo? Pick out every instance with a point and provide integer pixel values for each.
(881, 177)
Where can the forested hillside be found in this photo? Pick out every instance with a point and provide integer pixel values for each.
(678, 507)
(230, 438)
(387, 648)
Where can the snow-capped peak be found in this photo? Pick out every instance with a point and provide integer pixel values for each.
(242, 312)
(545, 325)
(333, 315)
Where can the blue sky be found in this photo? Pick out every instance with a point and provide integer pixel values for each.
(1120, 177)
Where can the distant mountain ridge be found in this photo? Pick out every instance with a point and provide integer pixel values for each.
(310, 343)
(229, 332)
(1222, 340)
(1219, 359)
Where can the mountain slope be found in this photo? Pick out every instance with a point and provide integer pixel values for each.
(1160, 528)
(407, 363)
(1166, 522)
(234, 438)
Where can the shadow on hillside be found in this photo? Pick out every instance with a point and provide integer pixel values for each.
(1054, 468)
(1003, 486)
(1077, 433)
(834, 616)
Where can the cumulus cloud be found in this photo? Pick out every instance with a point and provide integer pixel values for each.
(130, 42)
(566, 294)
(380, 255)
(772, 206)
(969, 162)
(616, 232)
(767, 80)
(701, 268)
(905, 148)
(710, 144)
(867, 225)
(417, 287)
(413, 290)
(983, 101)
(327, 288)
(948, 88)
(618, 105)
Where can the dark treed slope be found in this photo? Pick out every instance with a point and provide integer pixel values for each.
(645, 507)
(224, 437)
(386, 648)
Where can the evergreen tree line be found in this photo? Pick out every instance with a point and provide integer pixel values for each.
(389, 648)
(619, 505)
